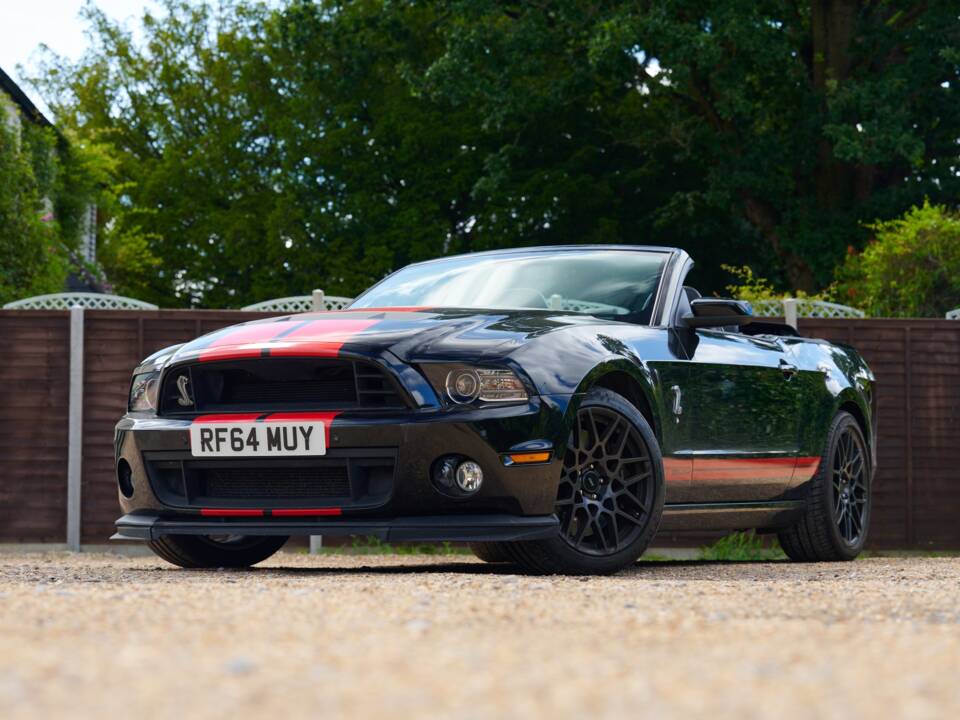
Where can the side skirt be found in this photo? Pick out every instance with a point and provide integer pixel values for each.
(731, 516)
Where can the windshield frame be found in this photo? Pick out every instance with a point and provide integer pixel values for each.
(656, 302)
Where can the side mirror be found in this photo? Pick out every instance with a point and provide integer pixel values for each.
(718, 312)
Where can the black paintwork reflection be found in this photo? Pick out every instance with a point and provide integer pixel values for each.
(736, 401)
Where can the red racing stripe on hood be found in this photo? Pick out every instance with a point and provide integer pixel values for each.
(320, 338)
(242, 342)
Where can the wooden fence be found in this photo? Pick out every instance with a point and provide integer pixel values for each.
(917, 363)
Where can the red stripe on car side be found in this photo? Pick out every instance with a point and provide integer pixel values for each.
(806, 468)
(718, 469)
(320, 338)
(677, 470)
(231, 512)
(306, 512)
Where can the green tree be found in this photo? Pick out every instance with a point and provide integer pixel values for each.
(802, 119)
(265, 150)
(31, 259)
(911, 269)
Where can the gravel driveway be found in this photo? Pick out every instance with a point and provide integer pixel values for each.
(84, 636)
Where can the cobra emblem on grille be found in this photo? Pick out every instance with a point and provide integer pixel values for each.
(182, 387)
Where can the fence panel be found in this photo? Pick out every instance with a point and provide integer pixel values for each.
(917, 363)
(115, 341)
(34, 374)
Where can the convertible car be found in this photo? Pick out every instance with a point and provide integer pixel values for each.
(554, 407)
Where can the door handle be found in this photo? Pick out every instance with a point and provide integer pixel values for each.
(677, 402)
(788, 369)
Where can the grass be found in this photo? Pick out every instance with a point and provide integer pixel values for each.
(370, 545)
(742, 547)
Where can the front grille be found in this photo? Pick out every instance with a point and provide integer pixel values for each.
(265, 384)
(293, 483)
(345, 478)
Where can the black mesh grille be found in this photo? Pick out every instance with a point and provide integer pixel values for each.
(294, 483)
(346, 478)
(279, 384)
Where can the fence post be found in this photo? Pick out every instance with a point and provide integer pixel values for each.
(790, 312)
(316, 304)
(75, 429)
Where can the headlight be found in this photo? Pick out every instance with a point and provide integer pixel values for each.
(144, 390)
(464, 385)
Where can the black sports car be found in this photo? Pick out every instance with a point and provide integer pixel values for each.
(552, 406)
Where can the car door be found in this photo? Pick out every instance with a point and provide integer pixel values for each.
(741, 407)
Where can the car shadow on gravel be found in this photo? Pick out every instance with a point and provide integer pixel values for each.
(699, 569)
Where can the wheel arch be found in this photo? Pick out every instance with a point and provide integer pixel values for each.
(630, 381)
(849, 405)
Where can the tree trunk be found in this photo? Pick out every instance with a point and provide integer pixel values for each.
(765, 219)
(833, 26)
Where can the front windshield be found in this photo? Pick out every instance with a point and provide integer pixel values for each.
(617, 283)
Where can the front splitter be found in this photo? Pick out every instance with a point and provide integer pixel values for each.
(430, 528)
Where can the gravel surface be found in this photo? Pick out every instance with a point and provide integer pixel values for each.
(84, 636)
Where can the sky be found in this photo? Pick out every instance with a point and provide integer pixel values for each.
(25, 24)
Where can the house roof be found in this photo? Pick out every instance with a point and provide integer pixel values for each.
(27, 107)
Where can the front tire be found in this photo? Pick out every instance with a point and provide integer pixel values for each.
(837, 517)
(213, 551)
(610, 496)
(491, 552)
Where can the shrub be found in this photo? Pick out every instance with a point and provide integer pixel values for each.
(910, 269)
(752, 288)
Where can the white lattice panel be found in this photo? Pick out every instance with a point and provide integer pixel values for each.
(821, 309)
(299, 303)
(806, 308)
(90, 301)
(767, 308)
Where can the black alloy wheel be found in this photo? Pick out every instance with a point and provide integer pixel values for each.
(850, 493)
(609, 496)
(836, 518)
(607, 487)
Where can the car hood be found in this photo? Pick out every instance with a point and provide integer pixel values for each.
(410, 334)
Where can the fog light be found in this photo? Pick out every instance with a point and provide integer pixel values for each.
(469, 476)
(445, 472)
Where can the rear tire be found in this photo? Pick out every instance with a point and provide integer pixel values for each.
(610, 496)
(204, 551)
(491, 552)
(837, 517)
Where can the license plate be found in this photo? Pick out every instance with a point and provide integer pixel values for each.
(257, 439)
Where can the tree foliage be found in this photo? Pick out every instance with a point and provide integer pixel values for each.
(263, 150)
(31, 261)
(911, 269)
(748, 286)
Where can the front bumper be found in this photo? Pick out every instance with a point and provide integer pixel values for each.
(429, 528)
(514, 501)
